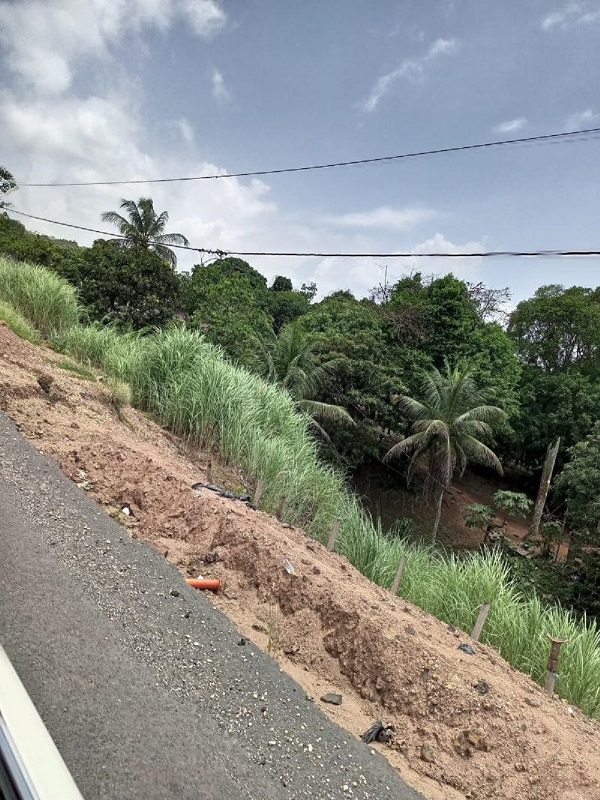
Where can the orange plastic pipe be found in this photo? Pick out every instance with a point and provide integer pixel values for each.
(214, 584)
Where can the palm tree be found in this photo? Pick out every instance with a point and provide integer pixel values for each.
(447, 428)
(290, 360)
(145, 229)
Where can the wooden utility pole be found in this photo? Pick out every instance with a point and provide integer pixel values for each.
(544, 487)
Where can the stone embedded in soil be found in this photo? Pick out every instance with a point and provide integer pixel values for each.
(533, 701)
(475, 738)
(428, 753)
(332, 698)
(45, 381)
(462, 746)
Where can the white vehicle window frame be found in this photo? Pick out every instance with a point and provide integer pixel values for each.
(29, 758)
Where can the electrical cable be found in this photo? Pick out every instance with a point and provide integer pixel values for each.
(282, 254)
(564, 135)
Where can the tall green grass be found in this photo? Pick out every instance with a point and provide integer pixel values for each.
(18, 324)
(100, 346)
(48, 302)
(453, 589)
(185, 383)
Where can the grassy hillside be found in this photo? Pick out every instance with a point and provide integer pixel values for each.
(187, 385)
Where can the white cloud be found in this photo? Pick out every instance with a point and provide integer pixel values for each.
(219, 89)
(185, 128)
(384, 217)
(42, 40)
(205, 16)
(573, 13)
(93, 131)
(582, 119)
(102, 136)
(72, 140)
(411, 69)
(511, 125)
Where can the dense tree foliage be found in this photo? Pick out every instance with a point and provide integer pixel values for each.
(285, 306)
(579, 483)
(229, 301)
(558, 329)
(135, 287)
(557, 334)
(59, 255)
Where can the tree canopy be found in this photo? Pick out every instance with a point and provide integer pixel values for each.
(144, 229)
(131, 286)
(558, 329)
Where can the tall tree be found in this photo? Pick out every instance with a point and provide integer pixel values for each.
(579, 483)
(371, 365)
(145, 229)
(290, 360)
(446, 318)
(7, 184)
(281, 284)
(131, 286)
(448, 426)
(564, 404)
(229, 301)
(558, 329)
(557, 334)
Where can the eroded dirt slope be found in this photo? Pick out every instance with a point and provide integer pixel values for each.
(328, 626)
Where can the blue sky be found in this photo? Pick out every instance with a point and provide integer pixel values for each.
(117, 89)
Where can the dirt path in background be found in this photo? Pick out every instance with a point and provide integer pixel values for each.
(327, 625)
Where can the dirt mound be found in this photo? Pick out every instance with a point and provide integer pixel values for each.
(465, 725)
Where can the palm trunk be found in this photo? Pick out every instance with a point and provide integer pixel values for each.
(438, 515)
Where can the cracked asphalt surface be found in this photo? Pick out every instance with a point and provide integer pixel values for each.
(141, 682)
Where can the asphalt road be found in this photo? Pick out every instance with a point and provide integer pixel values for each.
(149, 694)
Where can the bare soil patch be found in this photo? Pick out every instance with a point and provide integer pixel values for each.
(328, 626)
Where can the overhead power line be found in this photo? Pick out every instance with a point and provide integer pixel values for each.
(286, 254)
(381, 159)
